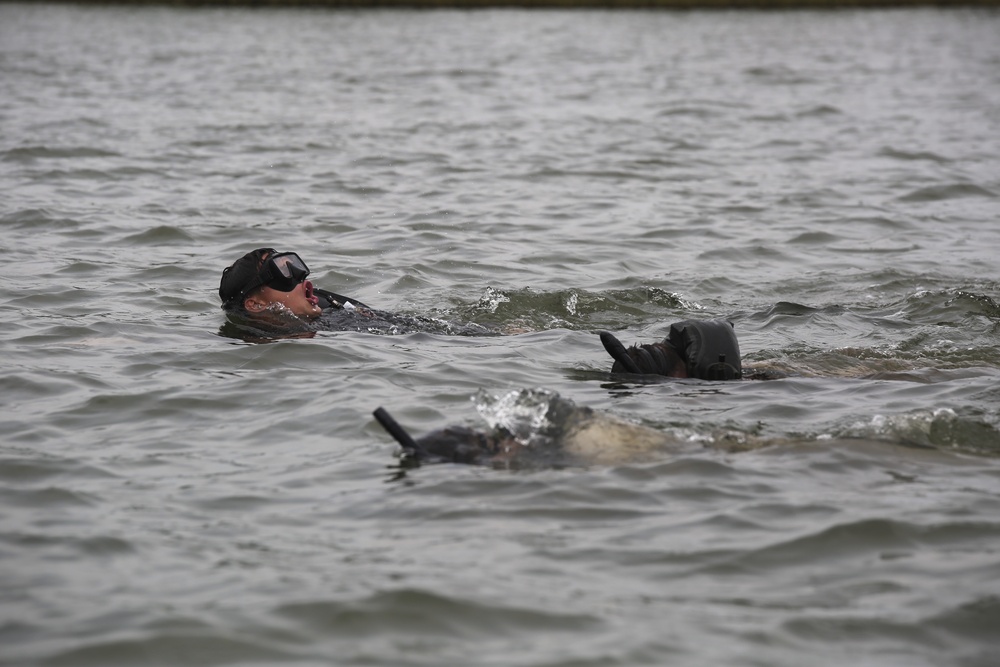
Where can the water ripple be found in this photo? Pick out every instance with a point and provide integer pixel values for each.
(176, 495)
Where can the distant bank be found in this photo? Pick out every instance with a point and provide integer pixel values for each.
(554, 4)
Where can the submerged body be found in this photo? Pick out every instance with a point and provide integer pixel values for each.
(704, 349)
(279, 323)
(552, 433)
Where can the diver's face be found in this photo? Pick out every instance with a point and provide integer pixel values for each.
(301, 300)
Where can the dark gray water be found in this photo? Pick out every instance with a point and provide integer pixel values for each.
(829, 181)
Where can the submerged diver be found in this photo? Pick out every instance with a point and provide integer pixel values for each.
(704, 349)
(557, 434)
(266, 293)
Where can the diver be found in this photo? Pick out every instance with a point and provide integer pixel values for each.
(266, 295)
(558, 434)
(703, 349)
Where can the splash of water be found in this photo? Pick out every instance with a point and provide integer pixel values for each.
(523, 413)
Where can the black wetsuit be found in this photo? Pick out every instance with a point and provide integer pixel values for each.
(342, 313)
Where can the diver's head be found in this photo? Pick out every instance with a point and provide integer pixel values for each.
(263, 278)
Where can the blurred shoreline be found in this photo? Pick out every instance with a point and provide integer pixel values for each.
(548, 4)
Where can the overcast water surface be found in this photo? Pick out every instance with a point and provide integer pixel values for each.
(176, 493)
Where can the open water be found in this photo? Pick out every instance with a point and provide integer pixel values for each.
(827, 180)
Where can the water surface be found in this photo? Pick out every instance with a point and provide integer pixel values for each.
(829, 181)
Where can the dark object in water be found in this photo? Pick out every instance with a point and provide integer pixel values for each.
(704, 349)
(383, 417)
(567, 436)
(452, 444)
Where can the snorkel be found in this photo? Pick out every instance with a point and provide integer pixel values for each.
(398, 433)
(452, 444)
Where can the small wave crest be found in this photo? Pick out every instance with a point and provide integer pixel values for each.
(573, 308)
(943, 428)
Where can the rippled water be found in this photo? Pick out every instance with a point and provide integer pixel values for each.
(829, 181)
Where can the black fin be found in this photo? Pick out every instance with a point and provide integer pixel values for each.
(618, 352)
